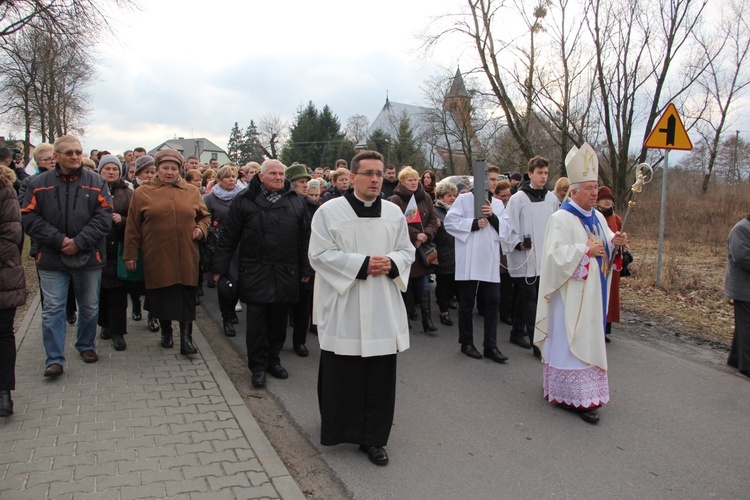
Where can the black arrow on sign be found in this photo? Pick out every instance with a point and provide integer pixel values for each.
(670, 130)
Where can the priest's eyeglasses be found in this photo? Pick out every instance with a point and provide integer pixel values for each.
(371, 173)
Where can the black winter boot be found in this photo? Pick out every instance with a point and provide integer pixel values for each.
(166, 333)
(186, 338)
(424, 305)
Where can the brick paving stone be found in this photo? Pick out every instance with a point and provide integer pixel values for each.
(141, 423)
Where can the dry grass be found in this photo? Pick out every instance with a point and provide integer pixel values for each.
(691, 298)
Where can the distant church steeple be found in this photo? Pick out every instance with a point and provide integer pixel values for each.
(458, 100)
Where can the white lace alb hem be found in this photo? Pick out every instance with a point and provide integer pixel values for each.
(582, 388)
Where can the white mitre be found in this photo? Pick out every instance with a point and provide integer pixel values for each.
(582, 164)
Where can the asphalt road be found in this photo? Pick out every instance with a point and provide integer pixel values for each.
(476, 429)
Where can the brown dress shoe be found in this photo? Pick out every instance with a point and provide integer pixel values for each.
(89, 356)
(54, 370)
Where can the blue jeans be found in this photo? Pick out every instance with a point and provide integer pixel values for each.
(54, 286)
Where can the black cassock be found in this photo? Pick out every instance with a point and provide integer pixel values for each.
(356, 397)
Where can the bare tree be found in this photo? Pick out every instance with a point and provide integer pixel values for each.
(356, 128)
(635, 46)
(477, 24)
(271, 128)
(726, 47)
(17, 15)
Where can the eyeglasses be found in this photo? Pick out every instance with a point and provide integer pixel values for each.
(371, 173)
(46, 159)
(72, 152)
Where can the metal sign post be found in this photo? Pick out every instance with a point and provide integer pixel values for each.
(669, 133)
(662, 218)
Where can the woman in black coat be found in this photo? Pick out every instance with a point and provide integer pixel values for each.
(113, 295)
(445, 272)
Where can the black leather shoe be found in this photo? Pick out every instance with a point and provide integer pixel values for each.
(376, 454)
(520, 341)
(186, 339)
(301, 350)
(72, 318)
(607, 340)
(6, 404)
(136, 316)
(495, 355)
(536, 351)
(446, 319)
(471, 351)
(278, 371)
(229, 328)
(259, 380)
(235, 319)
(452, 304)
(153, 324)
(506, 319)
(118, 342)
(590, 416)
(104, 334)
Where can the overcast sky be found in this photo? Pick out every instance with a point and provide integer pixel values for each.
(192, 68)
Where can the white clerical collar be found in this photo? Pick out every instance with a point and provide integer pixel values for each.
(367, 203)
(587, 213)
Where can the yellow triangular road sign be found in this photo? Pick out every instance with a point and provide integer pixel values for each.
(669, 132)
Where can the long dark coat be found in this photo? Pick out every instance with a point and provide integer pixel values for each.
(121, 195)
(273, 241)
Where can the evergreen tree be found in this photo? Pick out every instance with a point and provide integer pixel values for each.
(380, 141)
(235, 145)
(252, 147)
(314, 138)
(406, 151)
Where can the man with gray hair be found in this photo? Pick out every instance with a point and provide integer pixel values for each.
(70, 232)
(270, 223)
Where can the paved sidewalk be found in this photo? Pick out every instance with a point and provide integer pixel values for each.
(146, 422)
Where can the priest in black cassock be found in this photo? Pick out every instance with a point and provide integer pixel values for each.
(361, 252)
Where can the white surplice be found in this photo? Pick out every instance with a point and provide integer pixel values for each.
(358, 317)
(477, 252)
(528, 218)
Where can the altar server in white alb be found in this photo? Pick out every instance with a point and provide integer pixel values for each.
(361, 252)
(529, 211)
(478, 264)
(573, 293)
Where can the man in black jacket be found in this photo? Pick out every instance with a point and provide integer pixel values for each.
(68, 212)
(270, 222)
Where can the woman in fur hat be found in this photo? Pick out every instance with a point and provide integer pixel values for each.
(167, 219)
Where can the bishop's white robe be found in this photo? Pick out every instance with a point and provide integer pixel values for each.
(528, 218)
(571, 312)
(358, 317)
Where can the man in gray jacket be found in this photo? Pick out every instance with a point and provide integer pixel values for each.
(737, 287)
(68, 212)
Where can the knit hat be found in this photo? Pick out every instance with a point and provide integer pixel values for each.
(605, 194)
(582, 164)
(168, 155)
(296, 172)
(107, 159)
(460, 186)
(143, 163)
(313, 184)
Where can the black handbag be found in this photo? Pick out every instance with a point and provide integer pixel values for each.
(208, 248)
(627, 259)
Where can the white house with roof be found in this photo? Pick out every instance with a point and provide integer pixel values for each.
(201, 147)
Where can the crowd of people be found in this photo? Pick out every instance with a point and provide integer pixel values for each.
(317, 247)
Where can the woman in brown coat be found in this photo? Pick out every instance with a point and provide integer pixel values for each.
(12, 285)
(166, 220)
(422, 230)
